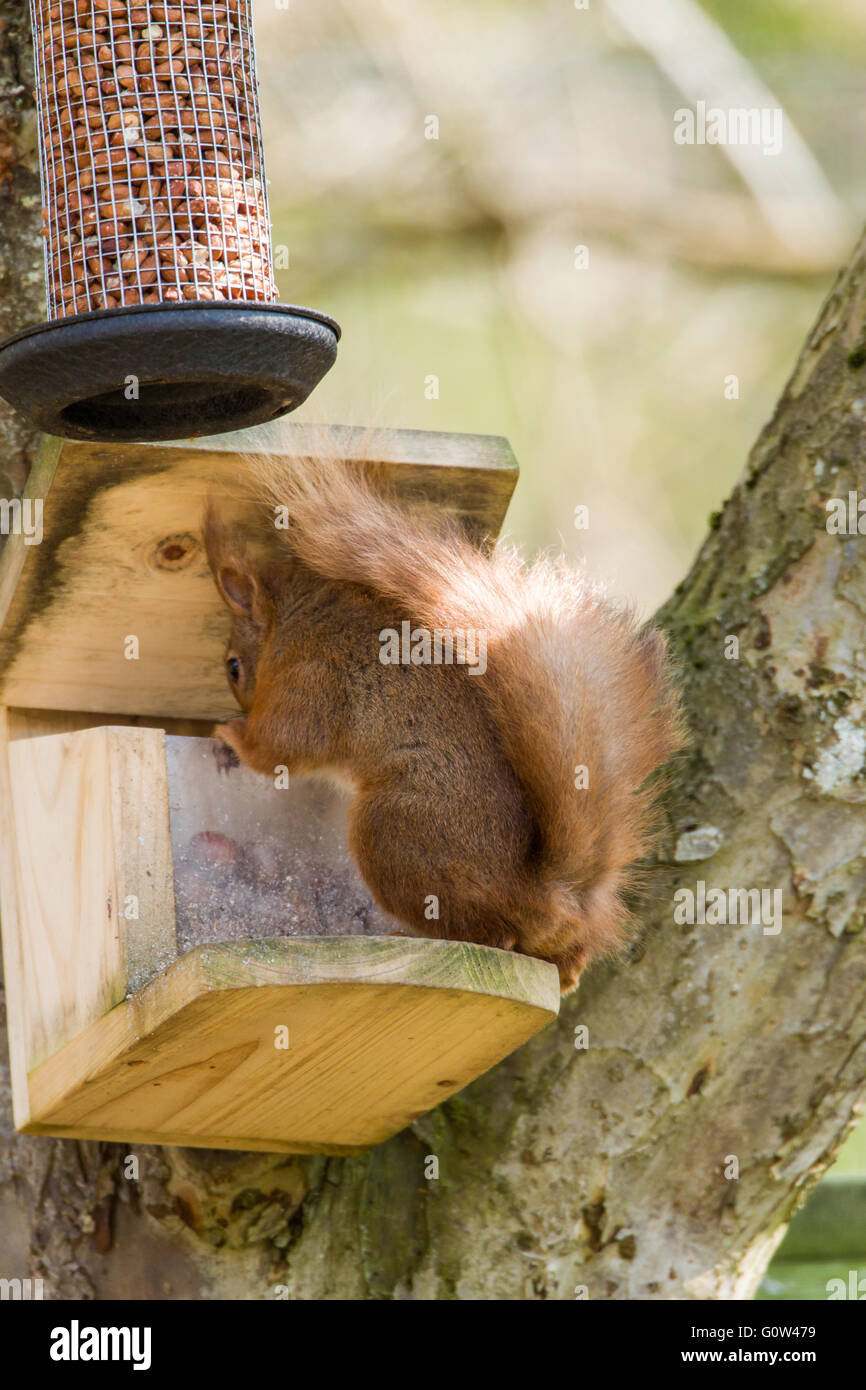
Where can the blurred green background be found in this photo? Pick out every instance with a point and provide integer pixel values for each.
(609, 369)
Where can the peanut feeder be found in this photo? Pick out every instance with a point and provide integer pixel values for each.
(162, 312)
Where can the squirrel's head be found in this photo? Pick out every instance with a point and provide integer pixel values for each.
(245, 594)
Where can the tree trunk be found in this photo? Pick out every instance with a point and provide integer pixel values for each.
(22, 293)
(656, 1140)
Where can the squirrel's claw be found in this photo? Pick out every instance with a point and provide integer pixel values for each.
(232, 740)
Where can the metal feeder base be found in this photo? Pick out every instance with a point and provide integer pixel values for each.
(155, 371)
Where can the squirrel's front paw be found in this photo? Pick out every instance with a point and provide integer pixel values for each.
(225, 756)
(230, 748)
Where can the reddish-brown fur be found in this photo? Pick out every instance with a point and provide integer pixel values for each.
(464, 784)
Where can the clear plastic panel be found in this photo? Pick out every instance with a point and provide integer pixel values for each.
(253, 860)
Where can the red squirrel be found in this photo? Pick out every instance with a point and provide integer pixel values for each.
(502, 802)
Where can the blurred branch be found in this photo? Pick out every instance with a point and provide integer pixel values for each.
(696, 55)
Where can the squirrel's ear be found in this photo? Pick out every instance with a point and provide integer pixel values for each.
(242, 590)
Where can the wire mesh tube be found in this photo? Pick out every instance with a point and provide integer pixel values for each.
(151, 154)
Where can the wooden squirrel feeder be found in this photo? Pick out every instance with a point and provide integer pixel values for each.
(190, 955)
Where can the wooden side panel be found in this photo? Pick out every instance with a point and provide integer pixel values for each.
(89, 829)
(13, 929)
(121, 558)
(378, 1031)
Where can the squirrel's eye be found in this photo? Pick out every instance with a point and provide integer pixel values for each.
(233, 666)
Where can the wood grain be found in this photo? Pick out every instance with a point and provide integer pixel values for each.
(121, 556)
(30, 723)
(88, 827)
(380, 1030)
(18, 724)
(13, 934)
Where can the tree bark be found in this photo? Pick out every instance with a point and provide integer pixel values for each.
(22, 293)
(660, 1153)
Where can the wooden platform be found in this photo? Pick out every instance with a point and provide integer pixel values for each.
(379, 1031)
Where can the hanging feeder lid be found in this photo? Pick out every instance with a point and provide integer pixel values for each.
(154, 371)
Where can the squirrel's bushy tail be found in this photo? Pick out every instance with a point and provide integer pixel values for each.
(582, 699)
